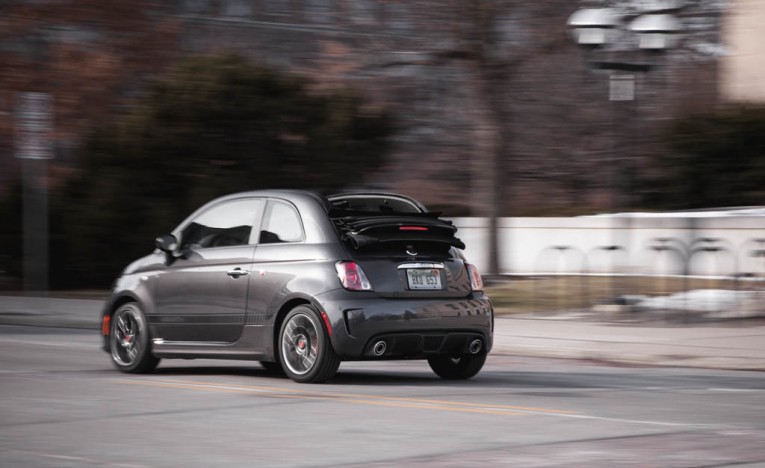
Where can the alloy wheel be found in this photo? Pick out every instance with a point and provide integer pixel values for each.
(126, 337)
(300, 344)
(129, 340)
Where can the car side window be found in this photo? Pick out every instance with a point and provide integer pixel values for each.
(225, 225)
(281, 223)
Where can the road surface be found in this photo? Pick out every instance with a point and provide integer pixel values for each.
(62, 404)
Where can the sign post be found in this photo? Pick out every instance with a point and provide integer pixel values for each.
(34, 145)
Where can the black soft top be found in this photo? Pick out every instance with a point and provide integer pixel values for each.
(367, 219)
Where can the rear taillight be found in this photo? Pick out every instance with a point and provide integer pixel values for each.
(476, 282)
(352, 276)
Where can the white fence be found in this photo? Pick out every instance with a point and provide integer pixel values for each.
(698, 243)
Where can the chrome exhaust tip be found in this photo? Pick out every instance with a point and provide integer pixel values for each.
(379, 348)
(475, 346)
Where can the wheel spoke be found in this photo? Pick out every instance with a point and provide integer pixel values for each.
(286, 340)
(309, 359)
(121, 326)
(299, 344)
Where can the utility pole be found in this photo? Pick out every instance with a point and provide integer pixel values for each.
(34, 146)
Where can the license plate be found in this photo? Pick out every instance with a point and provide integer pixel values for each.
(424, 279)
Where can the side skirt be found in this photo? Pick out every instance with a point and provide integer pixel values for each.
(254, 344)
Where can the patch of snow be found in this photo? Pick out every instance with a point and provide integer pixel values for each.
(712, 303)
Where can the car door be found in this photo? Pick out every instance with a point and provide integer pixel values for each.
(281, 255)
(202, 296)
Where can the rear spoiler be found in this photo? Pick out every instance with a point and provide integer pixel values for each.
(363, 229)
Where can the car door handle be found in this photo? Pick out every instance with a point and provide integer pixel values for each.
(237, 272)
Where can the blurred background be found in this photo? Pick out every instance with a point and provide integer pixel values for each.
(516, 118)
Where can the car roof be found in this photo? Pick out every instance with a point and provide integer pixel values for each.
(324, 202)
(313, 207)
(288, 194)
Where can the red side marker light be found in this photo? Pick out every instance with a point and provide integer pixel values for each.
(326, 322)
(412, 228)
(105, 325)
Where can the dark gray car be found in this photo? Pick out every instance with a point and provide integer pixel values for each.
(301, 282)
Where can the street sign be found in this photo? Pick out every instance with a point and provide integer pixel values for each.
(622, 88)
(34, 126)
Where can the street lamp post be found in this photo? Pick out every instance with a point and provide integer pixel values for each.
(616, 39)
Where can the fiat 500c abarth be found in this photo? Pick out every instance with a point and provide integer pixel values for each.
(301, 282)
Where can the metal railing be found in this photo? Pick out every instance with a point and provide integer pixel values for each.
(607, 277)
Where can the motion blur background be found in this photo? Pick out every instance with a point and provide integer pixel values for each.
(481, 109)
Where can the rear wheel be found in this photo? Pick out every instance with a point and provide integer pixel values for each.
(457, 367)
(305, 351)
(129, 340)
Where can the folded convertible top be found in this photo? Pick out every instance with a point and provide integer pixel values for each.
(364, 229)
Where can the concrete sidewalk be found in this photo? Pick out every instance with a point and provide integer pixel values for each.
(50, 312)
(720, 345)
(738, 344)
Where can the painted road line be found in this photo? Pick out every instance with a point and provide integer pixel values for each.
(399, 402)
(374, 400)
(261, 388)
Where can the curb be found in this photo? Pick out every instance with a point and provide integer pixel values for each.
(37, 320)
(717, 363)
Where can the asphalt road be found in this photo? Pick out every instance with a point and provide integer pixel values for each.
(62, 404)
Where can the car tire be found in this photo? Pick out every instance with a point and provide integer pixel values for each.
(457, 367)
(129, 340)
(305, 352)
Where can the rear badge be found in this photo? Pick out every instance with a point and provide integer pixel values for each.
(411, 251)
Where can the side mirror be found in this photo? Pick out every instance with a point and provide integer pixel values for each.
(167, 243)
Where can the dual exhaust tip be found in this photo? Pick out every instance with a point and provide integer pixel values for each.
(379, 348)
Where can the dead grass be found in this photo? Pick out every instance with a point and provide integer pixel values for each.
(551, 293)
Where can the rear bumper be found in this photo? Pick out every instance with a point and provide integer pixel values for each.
(411, 328)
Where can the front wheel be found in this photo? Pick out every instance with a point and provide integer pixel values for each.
(129, 341)
(305, 352)
(457, 367)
